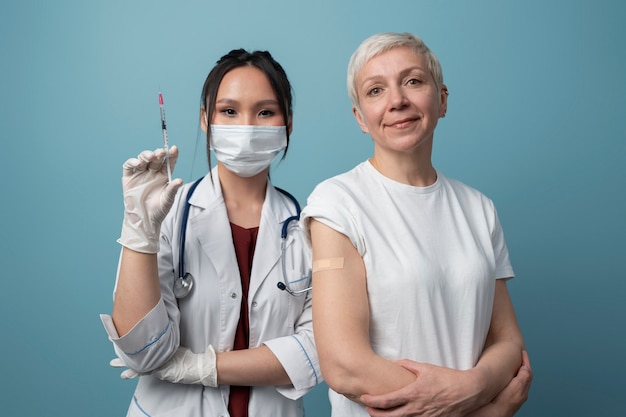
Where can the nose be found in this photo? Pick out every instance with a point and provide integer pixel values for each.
(247, 119)
(397, 98)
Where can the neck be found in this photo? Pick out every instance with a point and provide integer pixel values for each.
(416, 170)
(243, 197)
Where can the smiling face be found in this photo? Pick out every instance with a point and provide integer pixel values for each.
(399, 102)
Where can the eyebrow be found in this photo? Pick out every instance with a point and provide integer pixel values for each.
(261, 103)
(403, 73)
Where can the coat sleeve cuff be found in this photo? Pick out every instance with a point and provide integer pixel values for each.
(298, 357)
(135, 345)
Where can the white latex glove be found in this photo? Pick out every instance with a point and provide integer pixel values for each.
(185, 367)
(147, 198)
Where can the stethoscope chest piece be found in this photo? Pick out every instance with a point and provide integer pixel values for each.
(183, 285)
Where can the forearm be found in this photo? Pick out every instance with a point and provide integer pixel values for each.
(502, 354)
(512, 397)
(354, 374)
(138, 289)
(495, 369)
(250, 367)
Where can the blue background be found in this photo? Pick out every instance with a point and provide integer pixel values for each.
(535, 121)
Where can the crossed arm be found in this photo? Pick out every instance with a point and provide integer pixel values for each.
(352, 368)
(401, 403)
(138, 292)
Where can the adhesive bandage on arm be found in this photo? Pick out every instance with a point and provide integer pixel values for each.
(327, 264)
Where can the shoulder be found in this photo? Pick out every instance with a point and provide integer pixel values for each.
(347, 183)
(463, 190)
(281, 199)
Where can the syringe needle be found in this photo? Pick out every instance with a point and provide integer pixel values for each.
(165, 143)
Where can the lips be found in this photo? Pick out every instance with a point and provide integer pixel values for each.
(400, 124)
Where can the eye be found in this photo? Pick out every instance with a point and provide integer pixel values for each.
(226, 111)
(267, 113)
(372, 92)
(415, 81)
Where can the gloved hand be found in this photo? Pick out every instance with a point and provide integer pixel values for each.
(185, 367)
(147, 198)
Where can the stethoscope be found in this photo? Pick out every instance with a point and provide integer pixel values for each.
(184, 283)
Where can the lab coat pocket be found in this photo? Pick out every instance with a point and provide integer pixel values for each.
(299, 284)
(166, 408)
(156, 398)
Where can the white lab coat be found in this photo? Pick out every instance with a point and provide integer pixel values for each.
(210, 313)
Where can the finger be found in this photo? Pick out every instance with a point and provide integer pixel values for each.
(117, 363)
(170, 191)
(524, 376)
(385, 401)
(146, 157)
(157, 161)
(376, 412)
(130, 166)
(415, 367)
(525, 371)
(139, 164)
(525, 359)
(173, 156)
(129, 374)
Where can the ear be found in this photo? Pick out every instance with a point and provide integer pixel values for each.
(359, 119)
(203, 120)
(443, 108)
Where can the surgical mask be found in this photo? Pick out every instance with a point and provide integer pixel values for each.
(247, 150)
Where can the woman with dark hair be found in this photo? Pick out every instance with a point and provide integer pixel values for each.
(197, 314)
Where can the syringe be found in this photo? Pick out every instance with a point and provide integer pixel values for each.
(165, 143)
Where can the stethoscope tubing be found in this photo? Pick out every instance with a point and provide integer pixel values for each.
(184, 283)
(183, 229)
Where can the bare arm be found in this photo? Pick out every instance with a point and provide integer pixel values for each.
(502, 354)
(341, 321)
(512, 397)
(137, 291)
(250, 367)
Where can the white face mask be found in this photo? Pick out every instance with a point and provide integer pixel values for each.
(247, 150)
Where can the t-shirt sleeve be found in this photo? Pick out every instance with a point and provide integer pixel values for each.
(331, 205)
(504, 268)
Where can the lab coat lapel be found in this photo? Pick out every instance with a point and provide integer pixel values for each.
(212, 227)
(214, 234)
(267, 253)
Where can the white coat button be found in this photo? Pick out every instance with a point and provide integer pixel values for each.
(233, 295)
(254, 304)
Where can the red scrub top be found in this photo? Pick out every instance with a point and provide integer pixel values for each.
(245, 242)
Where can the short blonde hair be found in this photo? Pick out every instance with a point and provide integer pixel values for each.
(383, 42)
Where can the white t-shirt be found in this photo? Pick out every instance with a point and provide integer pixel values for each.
(431, 254)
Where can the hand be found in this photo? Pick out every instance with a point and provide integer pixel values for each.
(437, 391)
(513, 396)
(185, 367)
(147, 198)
